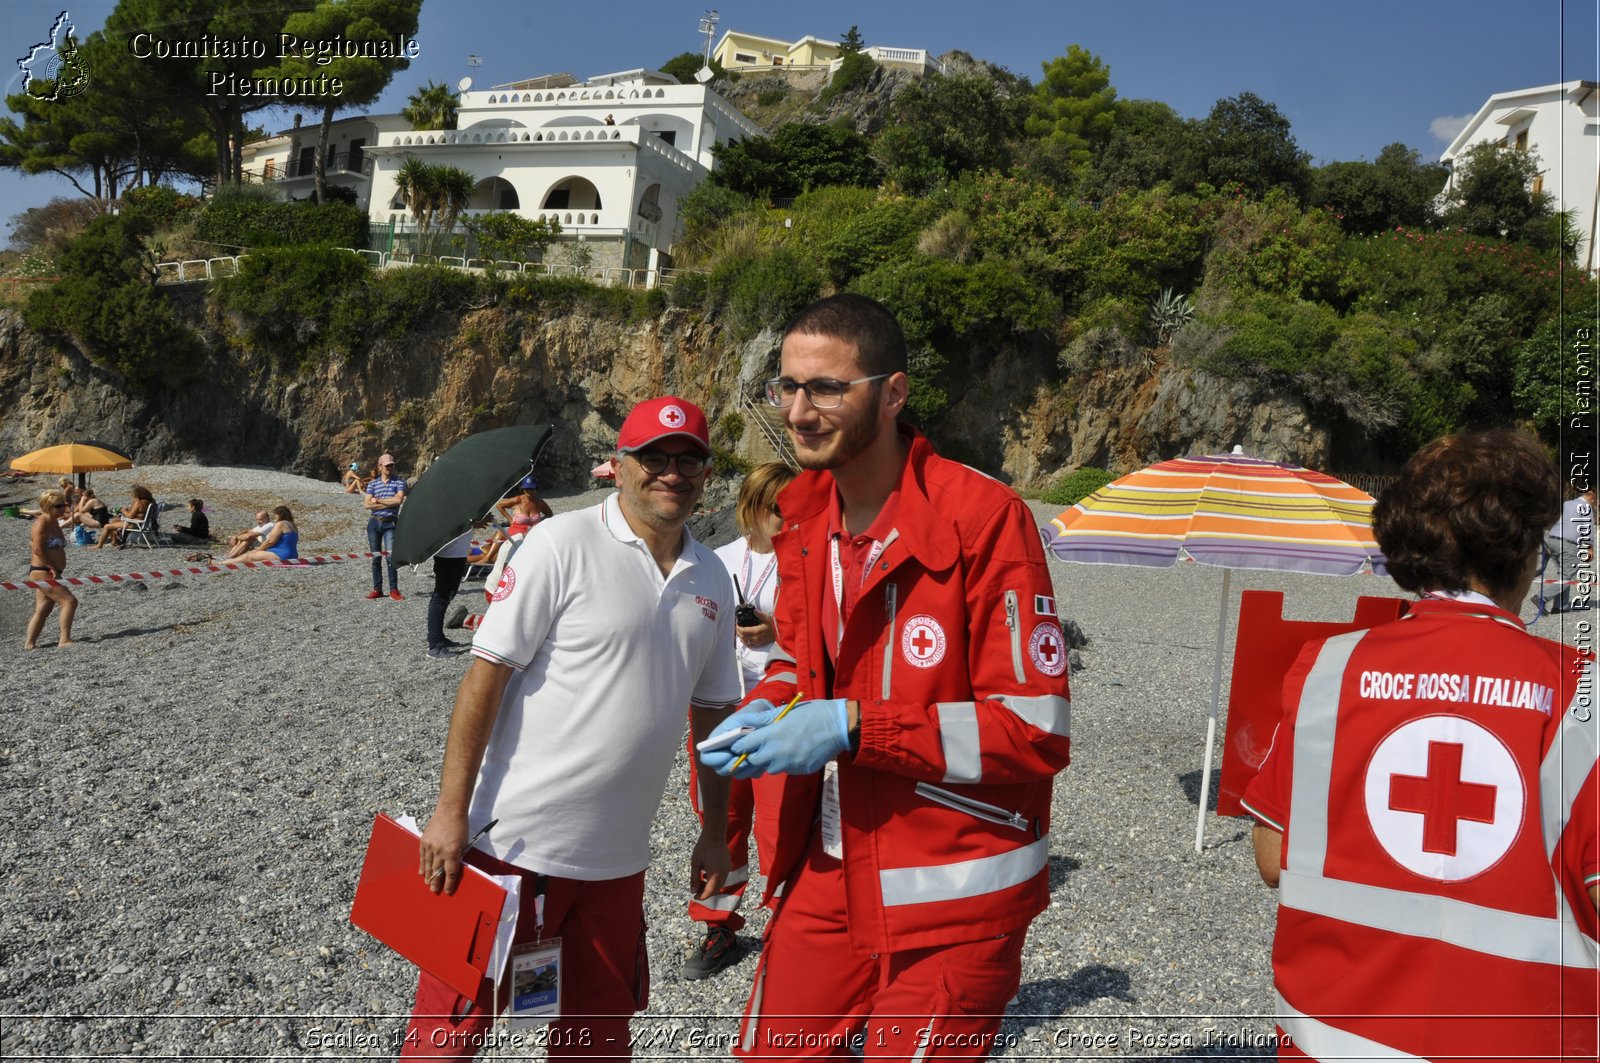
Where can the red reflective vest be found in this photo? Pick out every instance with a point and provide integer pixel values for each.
(1435, 783)
(956, 656)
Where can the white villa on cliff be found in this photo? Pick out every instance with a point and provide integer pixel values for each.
(609, 158)
(1561, 124)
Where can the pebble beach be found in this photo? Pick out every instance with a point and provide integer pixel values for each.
(189, 791)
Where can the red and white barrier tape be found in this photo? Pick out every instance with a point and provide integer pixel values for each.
(196, 570)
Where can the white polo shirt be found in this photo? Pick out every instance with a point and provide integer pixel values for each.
(609, 656)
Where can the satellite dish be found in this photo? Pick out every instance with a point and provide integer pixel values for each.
(464, 84)
(703, 75)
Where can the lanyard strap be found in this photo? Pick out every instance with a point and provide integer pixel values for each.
(838, 583)
(753, 589)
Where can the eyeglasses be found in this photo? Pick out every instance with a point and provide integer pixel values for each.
(825, 393)
(655, 462)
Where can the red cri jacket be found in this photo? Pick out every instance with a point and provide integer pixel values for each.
(1434, 782)
(956, 656)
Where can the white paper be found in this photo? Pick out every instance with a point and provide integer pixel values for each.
(832, 833)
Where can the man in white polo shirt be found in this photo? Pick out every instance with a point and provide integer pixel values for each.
(605, 623)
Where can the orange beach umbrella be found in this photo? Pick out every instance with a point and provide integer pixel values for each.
(72, 457)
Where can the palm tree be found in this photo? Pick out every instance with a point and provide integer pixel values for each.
(453, 188)
(415, 181)
(432, 107)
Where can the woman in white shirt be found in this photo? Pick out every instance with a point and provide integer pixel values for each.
(754, 567)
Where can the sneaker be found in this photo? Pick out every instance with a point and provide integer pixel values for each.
(374, 593)
(441, 653)
(451, 645)
(458, 616)
(719, 950)
(397, 596)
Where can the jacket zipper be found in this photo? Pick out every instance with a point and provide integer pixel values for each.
(973, 807)
(1015, 625)
(890, 601)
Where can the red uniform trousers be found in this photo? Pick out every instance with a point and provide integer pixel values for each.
(723, 909)
(813, 995)
(605, 973)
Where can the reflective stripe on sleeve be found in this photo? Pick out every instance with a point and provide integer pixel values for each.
(785, 677)
(1320, 1041)
(778, 653)
(721, 902)
(1046, 712)
(958, 737)
(964, 878)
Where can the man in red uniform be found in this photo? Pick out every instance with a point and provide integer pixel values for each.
(911, 781)
(1429, 805)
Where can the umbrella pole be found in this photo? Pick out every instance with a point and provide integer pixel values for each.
(1211, 720)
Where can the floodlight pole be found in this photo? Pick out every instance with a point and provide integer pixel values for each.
(708, 27)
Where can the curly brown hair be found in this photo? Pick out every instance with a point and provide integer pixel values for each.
(1468, 508)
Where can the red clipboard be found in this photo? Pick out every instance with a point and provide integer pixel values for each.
(449, 936)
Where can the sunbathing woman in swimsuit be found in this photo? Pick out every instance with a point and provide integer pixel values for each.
(47, 557)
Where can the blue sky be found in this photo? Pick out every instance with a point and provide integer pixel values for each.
(1351, 76)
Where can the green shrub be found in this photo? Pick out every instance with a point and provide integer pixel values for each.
(301, 302)
(1077, 485)
(242, 221)
(860, 243)
(161, 205)
(107, 300)
(764, 291)
(704, 209)
(855, 70)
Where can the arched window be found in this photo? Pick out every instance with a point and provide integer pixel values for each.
(494, 193)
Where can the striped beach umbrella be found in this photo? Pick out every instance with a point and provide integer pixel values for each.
(1227, 510)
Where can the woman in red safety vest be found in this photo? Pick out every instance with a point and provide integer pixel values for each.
(1429, 807)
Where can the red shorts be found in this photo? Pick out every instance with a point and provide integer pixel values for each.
(605, 973)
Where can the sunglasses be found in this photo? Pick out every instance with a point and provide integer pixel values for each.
(656, 462)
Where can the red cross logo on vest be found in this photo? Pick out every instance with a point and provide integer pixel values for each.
(1048, 649)
(922, 643)
(673, 416)
(1444, 797)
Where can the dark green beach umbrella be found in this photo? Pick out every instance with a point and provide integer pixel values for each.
(461, 486)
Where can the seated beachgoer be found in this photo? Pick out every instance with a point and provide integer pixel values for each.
(242, 542)
(199, 526)
(354, 482)
(134, 511)
(90, 512)
(282, 543)
(70, 490)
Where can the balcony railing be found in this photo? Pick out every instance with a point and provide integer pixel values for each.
(339, 162)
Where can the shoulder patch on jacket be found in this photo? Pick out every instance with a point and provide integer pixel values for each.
(922, 642)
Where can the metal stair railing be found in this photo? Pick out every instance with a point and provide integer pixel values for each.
(769, 421)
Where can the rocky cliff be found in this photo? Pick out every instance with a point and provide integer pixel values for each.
(1014, 415)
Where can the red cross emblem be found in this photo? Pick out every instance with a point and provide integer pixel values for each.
(1048, 649)
(922, 642)
(508, 582)
(1441, 798)
(673, 416)
(1444, 797)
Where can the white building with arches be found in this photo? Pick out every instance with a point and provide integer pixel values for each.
(609, 158)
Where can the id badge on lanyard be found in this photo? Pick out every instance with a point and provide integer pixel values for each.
(536, 973)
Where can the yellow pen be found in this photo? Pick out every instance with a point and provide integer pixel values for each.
(795, 701)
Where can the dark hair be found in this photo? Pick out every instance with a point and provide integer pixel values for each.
(1468, 507)
(856, 319)
(282, 513)
(196, 505)
(141, 491)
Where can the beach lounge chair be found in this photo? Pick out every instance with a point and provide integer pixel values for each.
(146, 532)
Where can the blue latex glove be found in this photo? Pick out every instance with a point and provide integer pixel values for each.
(809, 735)
(758, 713)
